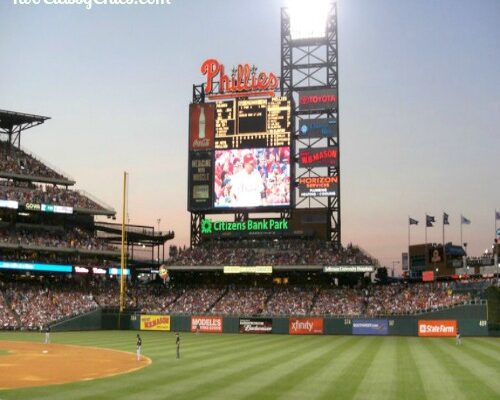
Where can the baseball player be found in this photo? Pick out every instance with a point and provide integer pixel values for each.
(247, 185)
(139, 345)
(47, 334)
(178, 345)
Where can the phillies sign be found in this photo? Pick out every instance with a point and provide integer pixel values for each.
(244, 81)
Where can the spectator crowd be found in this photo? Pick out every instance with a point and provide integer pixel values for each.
(277, 252)
(16, 161)
(46, 194)
(74, 238)
(36, 303)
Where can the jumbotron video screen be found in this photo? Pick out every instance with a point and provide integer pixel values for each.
(240, 154)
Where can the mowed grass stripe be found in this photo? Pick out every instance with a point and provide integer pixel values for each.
(472, 364)
(272, 370)
(300, 383)
(210, 381)
(490, 358)
(313, 387)
(99, 388)
(489, 344)
(380, 372)
(248, 374)
(409, 384)
(344, 384)
(465, 378)
(169, 372)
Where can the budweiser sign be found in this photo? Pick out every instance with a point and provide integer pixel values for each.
(244, 81)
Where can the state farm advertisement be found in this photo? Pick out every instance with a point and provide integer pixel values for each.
(256, 325)
(438, 327)
(305, 326)
(206, 324)
(201, 126)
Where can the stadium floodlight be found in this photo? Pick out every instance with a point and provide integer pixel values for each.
(308, 18)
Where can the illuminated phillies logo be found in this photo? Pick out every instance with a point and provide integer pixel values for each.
(244, 81)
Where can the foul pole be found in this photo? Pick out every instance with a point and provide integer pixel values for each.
(123, 254)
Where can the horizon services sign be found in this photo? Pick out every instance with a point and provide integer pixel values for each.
(438, 327)
(209, 226)
(349, 268)
(155, 323)
(318, 186)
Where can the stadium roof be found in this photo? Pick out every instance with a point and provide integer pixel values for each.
(11, 119)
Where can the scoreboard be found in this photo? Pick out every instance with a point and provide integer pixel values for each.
(253, 123)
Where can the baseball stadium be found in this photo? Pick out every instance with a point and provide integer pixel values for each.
(266, 299)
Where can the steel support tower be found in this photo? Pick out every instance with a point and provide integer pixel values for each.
(312, 63)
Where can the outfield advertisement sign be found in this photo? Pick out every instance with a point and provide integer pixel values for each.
(370, 327)
(349, 268)
(256, 325)
(36, 267)
(155, 322)
(206, 324)
(438, 327)
(305, 326)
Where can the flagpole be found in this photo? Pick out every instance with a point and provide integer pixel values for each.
(426, 231)
(461, 224)
(444, 246)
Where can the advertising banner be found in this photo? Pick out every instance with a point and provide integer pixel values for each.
(201, 126)
(206, 324)
(9, 204)
(370, 327)
(256, 325)
(200, 180)
(438, 327)
(317, 99)
(349, 268)
(318, 128)
(305, 326)
(155, 322)
(318, 186)
(320, 157)
(427, 276)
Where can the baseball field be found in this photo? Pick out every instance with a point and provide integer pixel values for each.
(231, 366)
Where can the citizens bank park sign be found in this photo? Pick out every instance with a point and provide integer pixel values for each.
(209, 226)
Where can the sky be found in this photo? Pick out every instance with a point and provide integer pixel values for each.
(418, 91)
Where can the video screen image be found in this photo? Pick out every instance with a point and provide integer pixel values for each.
(249, 178)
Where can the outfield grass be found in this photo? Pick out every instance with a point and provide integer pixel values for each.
(233, 366)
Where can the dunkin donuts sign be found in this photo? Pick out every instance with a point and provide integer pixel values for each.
(206, 324)
(305, 326)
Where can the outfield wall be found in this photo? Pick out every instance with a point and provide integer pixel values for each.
(471, 320)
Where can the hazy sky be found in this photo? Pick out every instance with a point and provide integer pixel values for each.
(419, 99)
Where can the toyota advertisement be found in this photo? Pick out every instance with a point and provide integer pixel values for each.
(256, 325)
(370, 327)
(305, 326)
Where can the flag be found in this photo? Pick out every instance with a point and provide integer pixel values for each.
(412, 221)
(445, 219)
(429, 219)
(497, 215)
(465, 221)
